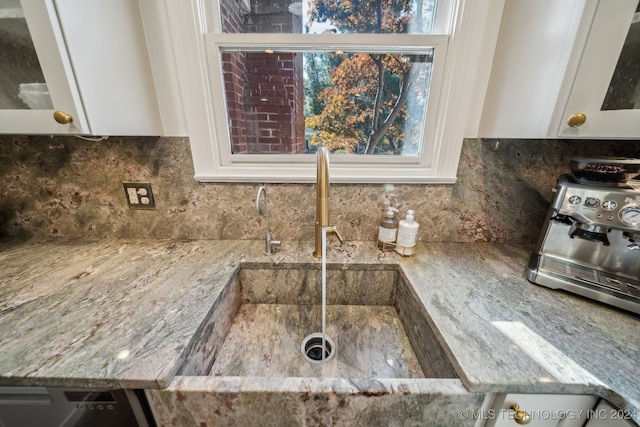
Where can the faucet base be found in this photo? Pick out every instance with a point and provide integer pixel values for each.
(318, 248)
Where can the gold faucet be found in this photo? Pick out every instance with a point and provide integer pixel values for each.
(322, 201)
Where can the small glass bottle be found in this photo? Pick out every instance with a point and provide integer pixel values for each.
(388, 229)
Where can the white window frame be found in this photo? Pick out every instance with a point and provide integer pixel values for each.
(457, 89)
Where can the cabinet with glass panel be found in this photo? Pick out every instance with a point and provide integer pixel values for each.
(36, 76)
(76, 67)
(605, 96)
(578, 77)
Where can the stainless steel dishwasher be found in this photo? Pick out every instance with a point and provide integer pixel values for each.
(72, 407)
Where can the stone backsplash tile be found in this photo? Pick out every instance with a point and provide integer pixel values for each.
(67, 187)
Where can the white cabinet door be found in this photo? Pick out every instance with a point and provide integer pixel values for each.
(108, 50)
(545, 410)
(528, 71)
(608, 77)
(604, 415)
(87, 58)
(538, 83)
(29, 105)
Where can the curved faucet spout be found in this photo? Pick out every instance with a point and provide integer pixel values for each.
(261, 191)
(322, 200)
(270, 242)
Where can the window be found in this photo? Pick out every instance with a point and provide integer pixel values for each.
(353, 102)
(378, 82)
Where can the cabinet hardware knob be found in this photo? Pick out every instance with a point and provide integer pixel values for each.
(577, 120)
(520, 417)
(62, 117)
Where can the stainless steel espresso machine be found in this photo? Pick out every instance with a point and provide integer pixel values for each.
(590, 241)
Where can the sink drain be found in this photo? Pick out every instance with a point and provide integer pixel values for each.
(312, 348)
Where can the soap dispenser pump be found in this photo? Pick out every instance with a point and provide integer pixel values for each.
(388, 229)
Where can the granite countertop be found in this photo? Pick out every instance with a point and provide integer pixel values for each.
(113, 313)
(509, 335)
(123, 312)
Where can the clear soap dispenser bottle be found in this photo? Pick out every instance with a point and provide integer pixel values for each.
(388, 229)
(407, 235)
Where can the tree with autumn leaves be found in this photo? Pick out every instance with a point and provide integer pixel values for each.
(358, 102)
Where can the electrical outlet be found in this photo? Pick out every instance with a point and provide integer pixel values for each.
(139, 195)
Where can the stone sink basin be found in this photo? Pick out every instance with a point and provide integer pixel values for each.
(249, 365)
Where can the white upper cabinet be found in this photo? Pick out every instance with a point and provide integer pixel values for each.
(575, 60)
(106, 44)
(85, 58)
(36, 75)
(606, 90)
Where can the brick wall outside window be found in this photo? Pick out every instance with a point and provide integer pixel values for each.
(264, 92)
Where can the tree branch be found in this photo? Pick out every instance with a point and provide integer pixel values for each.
(377, 134)
(379, 92)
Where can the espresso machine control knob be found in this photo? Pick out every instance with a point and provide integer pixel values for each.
(630, 216)
(592, 202)
(575, 200)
